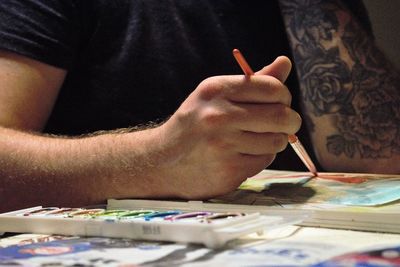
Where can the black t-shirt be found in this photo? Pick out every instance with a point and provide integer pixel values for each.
(134, 61)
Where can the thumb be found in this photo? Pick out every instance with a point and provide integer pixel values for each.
(279, 69)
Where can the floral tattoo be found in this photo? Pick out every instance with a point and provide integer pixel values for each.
(343, 74)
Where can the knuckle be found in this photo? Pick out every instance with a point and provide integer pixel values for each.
(287, 118)
(210, 88)
(273, 85)
(279, 90)
(282, 115)
(212, 117)
(283, 93)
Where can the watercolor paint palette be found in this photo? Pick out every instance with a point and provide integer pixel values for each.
(213, 229)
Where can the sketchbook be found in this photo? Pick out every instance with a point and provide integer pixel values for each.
(368, 202)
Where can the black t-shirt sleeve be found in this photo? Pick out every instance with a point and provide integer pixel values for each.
(45, 30)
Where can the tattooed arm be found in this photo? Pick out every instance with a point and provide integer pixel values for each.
(349, 92)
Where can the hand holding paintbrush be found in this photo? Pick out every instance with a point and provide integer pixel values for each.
(293, 139)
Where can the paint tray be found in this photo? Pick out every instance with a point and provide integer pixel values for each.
(176, 224)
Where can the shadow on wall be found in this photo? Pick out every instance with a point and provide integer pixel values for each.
(385, 19)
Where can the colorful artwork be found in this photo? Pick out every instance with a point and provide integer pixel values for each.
(250, 251)
(95, 251)
(329, 188)
(374, 258)
(126, 252)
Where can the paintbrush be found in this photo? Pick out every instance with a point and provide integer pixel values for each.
(293, 139)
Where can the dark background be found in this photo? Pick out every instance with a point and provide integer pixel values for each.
(385, 19)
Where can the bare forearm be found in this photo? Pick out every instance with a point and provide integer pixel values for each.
(63, 171)
(205, 149)
(349, 90)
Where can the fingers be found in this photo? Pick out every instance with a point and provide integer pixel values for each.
(258, 144)
(256, 104)
(280, 69)
(274, 118)
(258, 118)
(241, 89)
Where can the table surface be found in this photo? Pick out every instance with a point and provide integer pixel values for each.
(291, 245)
